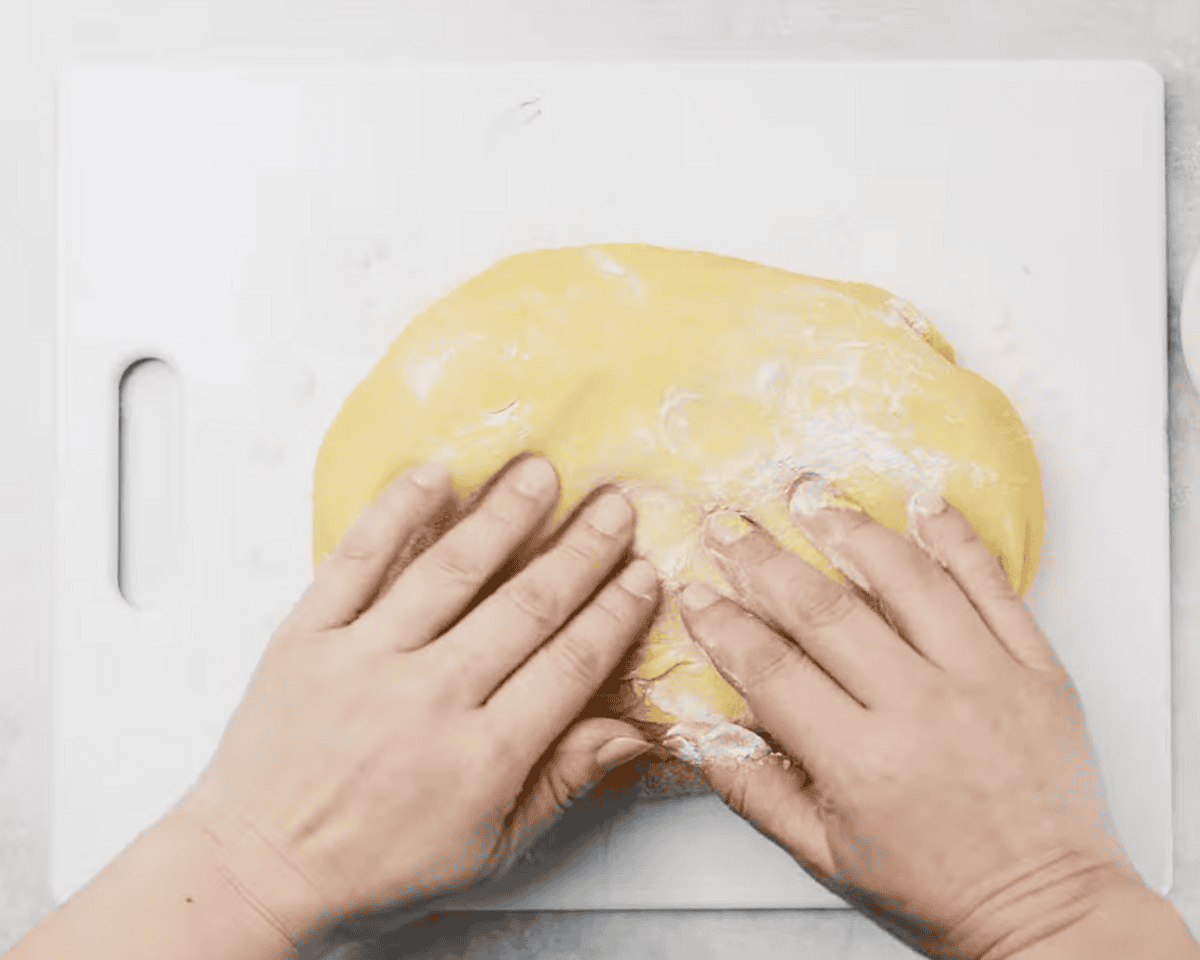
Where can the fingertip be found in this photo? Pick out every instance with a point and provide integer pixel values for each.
(923, 506)
(698, 602)
(535, 477)
(641, 579)
(925, 503)
(736, 541)
(430, 476)
(620, 750)
(611, 513)
(809, 494)
(697, 597)
(724, 528)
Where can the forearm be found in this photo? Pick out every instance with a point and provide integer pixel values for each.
(1130, 924)
(170, 894)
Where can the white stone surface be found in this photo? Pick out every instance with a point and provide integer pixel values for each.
(37, 35)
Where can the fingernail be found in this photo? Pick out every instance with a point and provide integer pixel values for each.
(620, 750)
(727, 527)
(610, 514)
(813, 494)
(641, 579)
(698, 596)
(429, 476)
(535, 476)
(927, 503)
(922, 505)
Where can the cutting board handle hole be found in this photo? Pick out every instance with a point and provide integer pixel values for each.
(149, 494)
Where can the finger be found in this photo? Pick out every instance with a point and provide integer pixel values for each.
(587, 752)
(441, 582)
(349, 578)
(841, 634)
(948, 537)
(923, 602)
(774, 795)
(493, 639)
(555, 684)
(802, 707)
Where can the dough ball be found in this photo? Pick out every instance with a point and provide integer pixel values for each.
(695, 382)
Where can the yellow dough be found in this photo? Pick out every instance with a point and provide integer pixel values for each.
(695, 382)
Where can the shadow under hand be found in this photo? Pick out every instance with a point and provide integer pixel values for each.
(449, 925)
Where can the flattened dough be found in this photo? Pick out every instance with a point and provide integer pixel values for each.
(695, 382)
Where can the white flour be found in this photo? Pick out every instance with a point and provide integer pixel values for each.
(695, 741)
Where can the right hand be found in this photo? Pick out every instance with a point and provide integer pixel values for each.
(939, 774)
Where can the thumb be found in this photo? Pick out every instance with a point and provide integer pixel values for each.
(589, 750)
(769, 790)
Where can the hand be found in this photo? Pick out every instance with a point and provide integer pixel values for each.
(938, 771)
(383, 751)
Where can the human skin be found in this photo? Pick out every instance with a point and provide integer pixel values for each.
(383, 751)
(399, 740)
(936, 770)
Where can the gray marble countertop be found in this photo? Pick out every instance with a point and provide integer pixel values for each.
(37, 36)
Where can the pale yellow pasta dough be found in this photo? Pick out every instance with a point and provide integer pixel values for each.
(695, 382)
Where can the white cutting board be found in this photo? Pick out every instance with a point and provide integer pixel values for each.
(268, 233)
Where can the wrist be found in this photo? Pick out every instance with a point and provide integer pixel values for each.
(1126, 920)
(168, 894)
(253, 871)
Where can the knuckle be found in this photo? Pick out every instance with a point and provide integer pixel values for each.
(502, 756)
(925, 575)
(828, 604)
(358, 548)
(536, 600)
(579, 663)
(1056, 689)
(586, 548)
(854, 524)
(737, 793)
(509, 508)
(456, 565)
(829, 809)
(935, 700)
(990, 577)
(366, 541)
(777, 661)
(956, 707)
(617, 606)
(560, 790)
(957, 538)
(757, 549)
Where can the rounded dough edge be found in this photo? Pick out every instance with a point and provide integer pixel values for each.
(650, 366)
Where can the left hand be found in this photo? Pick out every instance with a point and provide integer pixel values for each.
(383, 752)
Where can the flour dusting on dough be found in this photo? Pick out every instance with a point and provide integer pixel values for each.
(902, 312)
(703, 734)
(672, 417)
(424, 373)
(694, 382)
(982, 476)
(645, 438)
(840, 441)
(604, 263)
(773, 377)
(695, 741)
(502, 416)
(841, 372)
